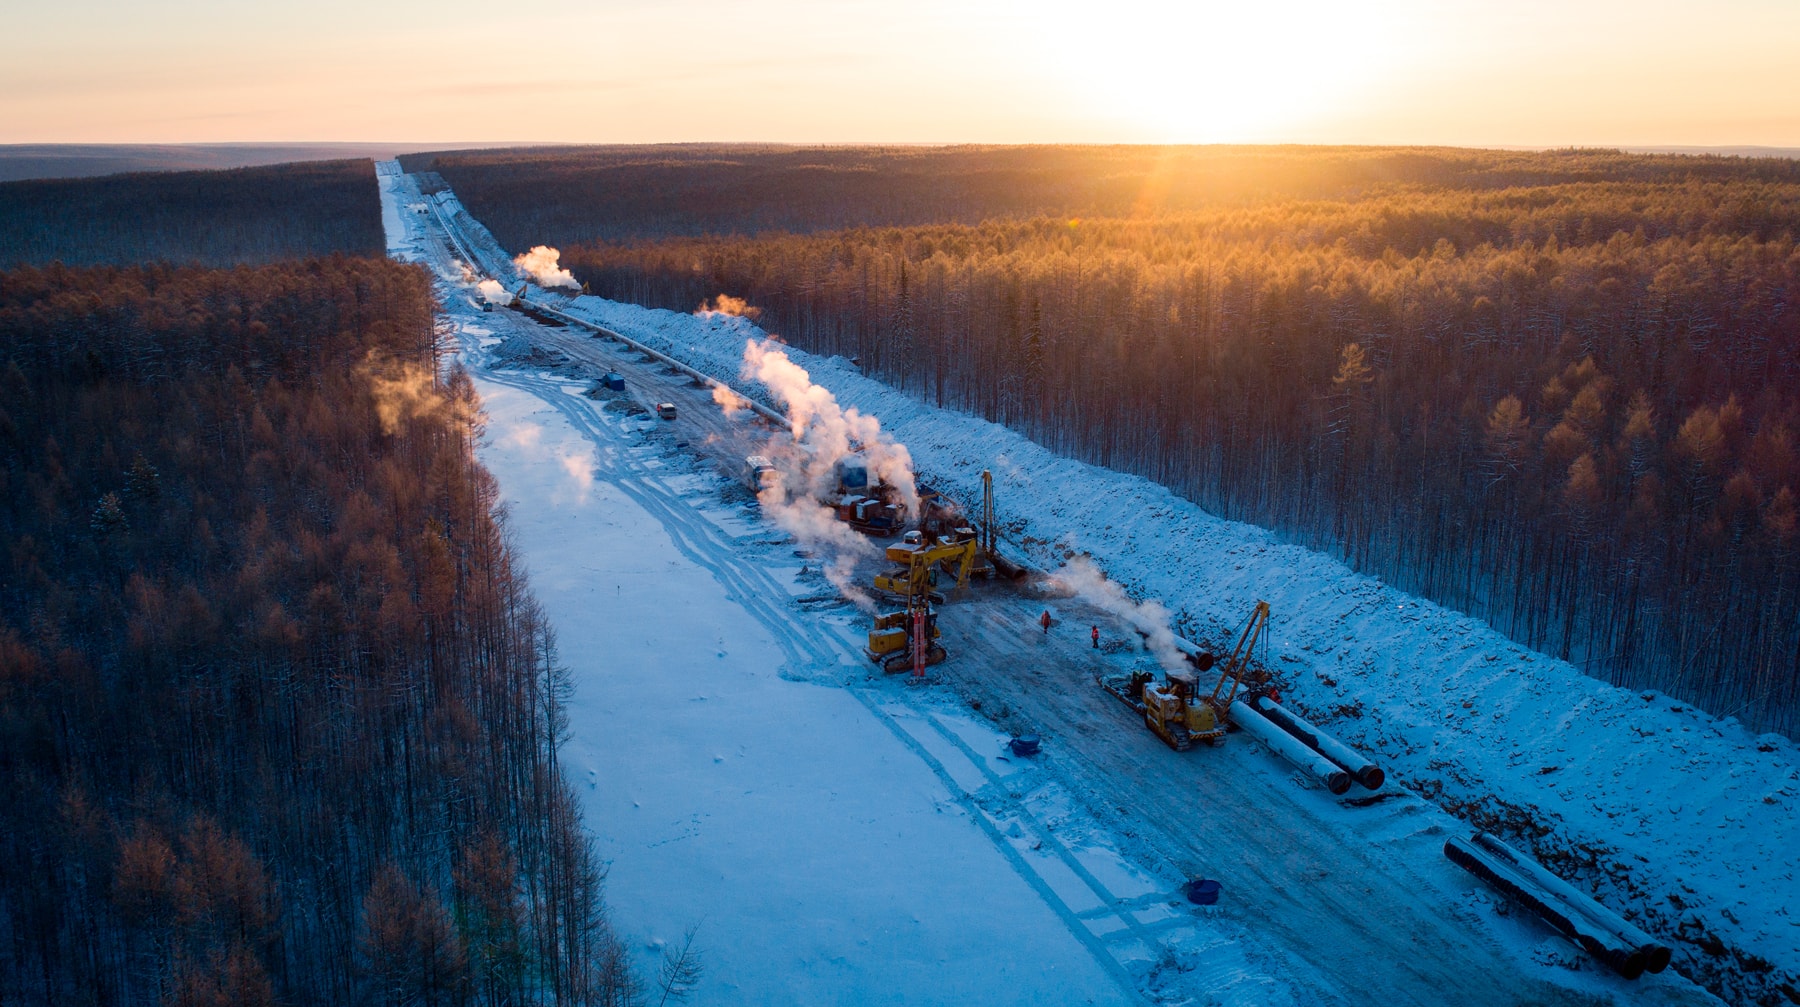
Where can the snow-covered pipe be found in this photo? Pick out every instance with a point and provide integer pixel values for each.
(761, 410)
(1327, 772)
(1656, 954)
(1521, 887)
(1362, 769)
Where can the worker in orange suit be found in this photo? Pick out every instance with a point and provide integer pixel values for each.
(1044, 621)
(1094, 634)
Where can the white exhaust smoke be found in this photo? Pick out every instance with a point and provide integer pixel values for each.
(826, 431)
(542, 264)
(730, 401)
(727, 305)
(492, 292)
(824, 434)
(816, 528)
(1149, 618)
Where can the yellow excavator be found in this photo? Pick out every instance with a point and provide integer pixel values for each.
(919, 557)
(908, 639)
(1174, 710)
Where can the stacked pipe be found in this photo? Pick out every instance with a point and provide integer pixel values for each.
(1599, 931)
(1324, 770)
(1362, 769)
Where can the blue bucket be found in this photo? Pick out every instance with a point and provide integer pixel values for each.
(1202, 891)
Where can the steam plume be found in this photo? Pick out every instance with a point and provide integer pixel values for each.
(542, 265)
(726, 304)
(816, 528)
(730, 401)
(1150, 618)
(826, 431)
(402, 391)
(492, 291)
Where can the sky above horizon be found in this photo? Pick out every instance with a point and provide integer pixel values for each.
(1517, 73)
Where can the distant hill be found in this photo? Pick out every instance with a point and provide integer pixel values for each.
(85, 160)
(1727, 151)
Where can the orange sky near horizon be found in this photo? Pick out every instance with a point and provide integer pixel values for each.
(1521, 73)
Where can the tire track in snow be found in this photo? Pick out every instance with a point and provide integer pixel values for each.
(1095, 945)
(694, 536)
(748, 584)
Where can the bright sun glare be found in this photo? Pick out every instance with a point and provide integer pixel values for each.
(1214, 72)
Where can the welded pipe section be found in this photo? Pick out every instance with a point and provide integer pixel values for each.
(1327, 772)
(1359, 766)
(1518, 886)
(757, 407)
(1656, 954)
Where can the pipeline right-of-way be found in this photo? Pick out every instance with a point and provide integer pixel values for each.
(1609, 938)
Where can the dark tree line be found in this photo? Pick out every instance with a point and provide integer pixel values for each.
(1559, 391)
(213, 218)
(568, 195)
(278, 716)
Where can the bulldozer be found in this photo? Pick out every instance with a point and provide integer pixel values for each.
(1174, 710)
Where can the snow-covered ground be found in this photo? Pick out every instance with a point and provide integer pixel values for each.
(829, 844)
(1682, 821)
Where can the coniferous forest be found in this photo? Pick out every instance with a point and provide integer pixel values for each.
(212, 218)
(1557, 390)
(278, 716)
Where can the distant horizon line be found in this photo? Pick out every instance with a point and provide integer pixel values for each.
(430, 145)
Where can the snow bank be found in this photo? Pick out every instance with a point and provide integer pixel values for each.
(1684, 821)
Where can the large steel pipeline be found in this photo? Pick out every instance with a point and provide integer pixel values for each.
(1327, 772)
(761, 410)
(1360, 767)
(1656, 954)
(1520, 887)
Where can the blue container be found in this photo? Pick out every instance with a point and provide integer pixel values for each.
(1202, 891)
(615, 382)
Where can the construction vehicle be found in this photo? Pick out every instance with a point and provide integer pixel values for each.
(920, 557)
(943, 543)
(942, 525)
(907, 639)
(666, 410)
(760, 473)
(1175, 711)
(871, 507)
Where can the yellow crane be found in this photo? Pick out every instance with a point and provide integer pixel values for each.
(1175, 711)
